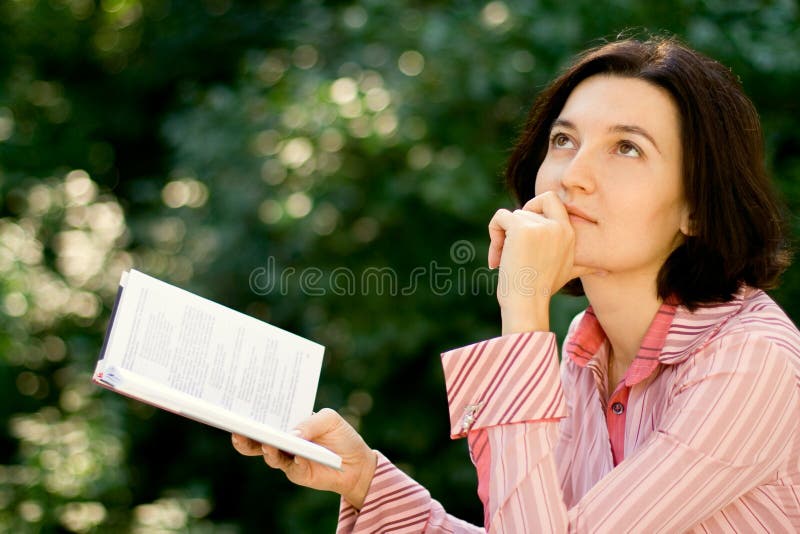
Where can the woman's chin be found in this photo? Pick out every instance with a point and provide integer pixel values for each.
(591, 271)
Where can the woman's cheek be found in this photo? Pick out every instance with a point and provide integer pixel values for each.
(544, 180)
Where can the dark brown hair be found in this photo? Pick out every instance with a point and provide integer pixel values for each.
(736, 220)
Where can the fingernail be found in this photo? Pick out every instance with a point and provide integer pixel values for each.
(296, 460)
(297, 432)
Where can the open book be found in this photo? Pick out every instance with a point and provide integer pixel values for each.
(180, 352)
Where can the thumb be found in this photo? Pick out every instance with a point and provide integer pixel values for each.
(317, 424)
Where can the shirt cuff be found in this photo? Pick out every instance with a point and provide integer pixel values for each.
(393, 500)
(508, 379)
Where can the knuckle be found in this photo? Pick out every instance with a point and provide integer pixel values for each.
(496, 215)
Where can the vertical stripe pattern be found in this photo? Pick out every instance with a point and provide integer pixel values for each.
(711, 440)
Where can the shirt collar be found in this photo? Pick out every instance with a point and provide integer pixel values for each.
(672, 337)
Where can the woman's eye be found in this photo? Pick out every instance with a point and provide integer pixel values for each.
(629, 149)
(561, 141)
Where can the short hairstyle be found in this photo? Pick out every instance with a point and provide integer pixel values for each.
(737, 222)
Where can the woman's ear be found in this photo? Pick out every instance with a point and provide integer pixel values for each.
(687, 226)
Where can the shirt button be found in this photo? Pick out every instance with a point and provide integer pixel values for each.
(617, 408)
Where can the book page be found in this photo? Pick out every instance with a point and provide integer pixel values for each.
(205, 350)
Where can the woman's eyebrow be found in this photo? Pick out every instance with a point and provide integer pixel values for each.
(564, 123)
(629, 128)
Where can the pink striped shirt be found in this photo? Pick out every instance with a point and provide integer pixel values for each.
(588, 347)
(707, 437)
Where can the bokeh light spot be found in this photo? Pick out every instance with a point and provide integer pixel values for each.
(331, 140)
(296, 152)
(494, 14)
(184, 192)
(270, 211)
(360, 402)
(324, 219)
(271, 69)
(354, 17)
(6, 124)
(30, 511)
(305, 56)
(266, 143)
(351, 110)
(15, 304)
(82, 516)
(450, 157)
(522, 61)
(419, 157)
(298, 205)
(39, 199)
(365, 229)
(295, 117)
(377, 99)
(411, 63)
(360, 127)
(385, 124)
(273, 172)
(344, 90)
(27, 383)
(79, 188)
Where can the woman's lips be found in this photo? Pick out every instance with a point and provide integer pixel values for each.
(577, 215)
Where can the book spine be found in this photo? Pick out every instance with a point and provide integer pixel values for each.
(111, 322)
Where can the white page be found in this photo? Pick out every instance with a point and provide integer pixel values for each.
(205, 350)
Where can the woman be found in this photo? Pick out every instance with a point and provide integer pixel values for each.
(677, 403)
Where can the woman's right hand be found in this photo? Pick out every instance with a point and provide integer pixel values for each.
(534, 248)
(329, 429)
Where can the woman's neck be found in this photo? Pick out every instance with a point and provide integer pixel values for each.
(625, 310)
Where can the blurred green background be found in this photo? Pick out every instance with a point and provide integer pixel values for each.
(219, 145)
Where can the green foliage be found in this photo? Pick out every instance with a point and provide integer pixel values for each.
(328, 167)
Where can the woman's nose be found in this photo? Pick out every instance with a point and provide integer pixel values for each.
(580, 173)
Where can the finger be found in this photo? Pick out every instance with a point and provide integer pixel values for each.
(245, 445)
(318, 424)
(529, 216)
(497, 235)
(534, 205)
(297, 470)
(549, 205)
(553, 208)
(276, 458)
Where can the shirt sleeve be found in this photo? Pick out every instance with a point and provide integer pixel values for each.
(728, 429)
(505, 395)
(396, 503)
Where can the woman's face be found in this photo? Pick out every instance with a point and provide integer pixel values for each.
(614, 158)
